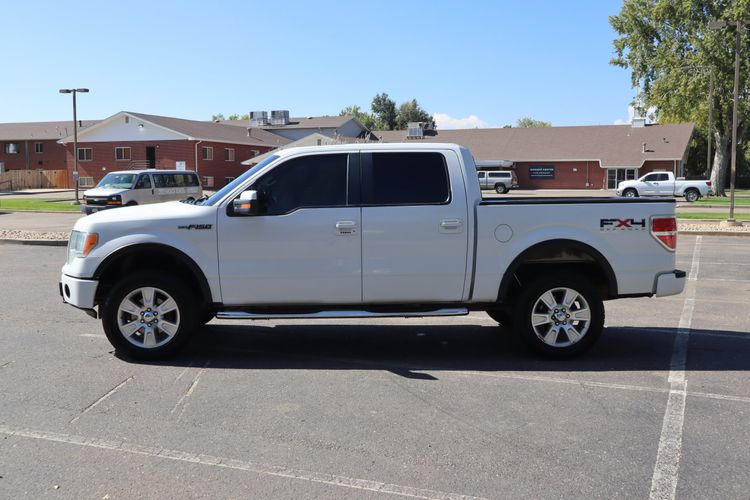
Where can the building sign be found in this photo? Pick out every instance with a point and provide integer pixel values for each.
(542, 172)
(180, 165)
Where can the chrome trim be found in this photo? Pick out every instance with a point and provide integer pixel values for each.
(341, 314)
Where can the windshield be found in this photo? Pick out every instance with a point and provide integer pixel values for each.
(119, 181)
(218, 195)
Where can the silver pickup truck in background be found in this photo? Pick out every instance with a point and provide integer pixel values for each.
(664, 184)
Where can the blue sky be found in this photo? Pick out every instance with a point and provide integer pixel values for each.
(495, 61)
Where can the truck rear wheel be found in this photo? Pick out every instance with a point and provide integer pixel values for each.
(559, 315)
(503, 316)
(692, 195)
(148, 315)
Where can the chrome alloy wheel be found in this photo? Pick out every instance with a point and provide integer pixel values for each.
(561, 317)
(148, 317)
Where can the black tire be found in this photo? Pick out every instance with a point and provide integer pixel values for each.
(503, 316)
(165, 340)
(562, 339)
(500, 188)
(692, 195)
(206, 315)
(131, 203)
(630, 193)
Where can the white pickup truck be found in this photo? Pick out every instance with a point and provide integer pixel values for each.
(664, 184)
(368, 231)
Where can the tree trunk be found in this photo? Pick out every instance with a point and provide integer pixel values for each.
(720, 164)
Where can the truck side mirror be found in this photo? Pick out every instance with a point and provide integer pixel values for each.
(246, 204)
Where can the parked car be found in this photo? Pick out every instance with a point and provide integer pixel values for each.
(664, 184)
(139, 187)
(501, 181)
(370, 231)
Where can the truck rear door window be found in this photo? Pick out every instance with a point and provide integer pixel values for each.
(405, 179)
(305, 182)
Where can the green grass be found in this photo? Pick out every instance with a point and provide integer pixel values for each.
(714, 200)
(712, 216)
(38, 205)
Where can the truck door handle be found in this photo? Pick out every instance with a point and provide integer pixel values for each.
(451, 226)
(345, 227)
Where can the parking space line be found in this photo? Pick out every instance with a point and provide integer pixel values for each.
(101, 399)
(667, 466)
(230, 463)
(183, 401)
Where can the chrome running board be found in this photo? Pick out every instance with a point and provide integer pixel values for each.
(341, 314)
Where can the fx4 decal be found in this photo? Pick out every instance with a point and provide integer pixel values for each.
(622, 225)
(196, 226)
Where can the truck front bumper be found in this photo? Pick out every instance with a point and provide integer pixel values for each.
(670, 283)
(78, 292)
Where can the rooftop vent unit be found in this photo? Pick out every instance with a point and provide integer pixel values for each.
(258, 118)
(415, 130)
(638, 122)
(280, 117)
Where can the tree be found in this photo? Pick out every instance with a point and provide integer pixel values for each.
(384, 109)
(363, 116)
(234, 117)
(217, 117)
(410, 111)
(527, 122)
(672, 52)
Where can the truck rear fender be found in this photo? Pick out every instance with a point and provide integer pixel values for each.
(558, 253)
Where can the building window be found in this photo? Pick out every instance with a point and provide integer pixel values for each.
(122, 154)
(11, 148)
(85, 154)
(86, 181)
(208, 153)
(39, 147)
(617, 175)
(228, 154)
(227, 180)
(208, 181)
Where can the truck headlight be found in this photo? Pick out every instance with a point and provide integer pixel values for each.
(81, 244)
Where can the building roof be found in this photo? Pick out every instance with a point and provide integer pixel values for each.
(210, 131)
(308, 122)
(39, 130)
(314, 139)
(611, 145)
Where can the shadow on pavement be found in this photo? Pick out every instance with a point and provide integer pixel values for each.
(408, 349)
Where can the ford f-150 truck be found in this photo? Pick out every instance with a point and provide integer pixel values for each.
(664, 184)
(368, 230)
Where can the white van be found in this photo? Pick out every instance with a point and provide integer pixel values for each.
(139, 187)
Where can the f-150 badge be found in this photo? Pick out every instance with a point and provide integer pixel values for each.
(196, 226)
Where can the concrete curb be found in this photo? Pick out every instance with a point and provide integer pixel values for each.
(41, 243)
(715, 233)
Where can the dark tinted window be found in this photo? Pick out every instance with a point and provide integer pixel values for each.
(310, 181)
(405, 179)
(500, 174)
(663, 177)
(144, 182)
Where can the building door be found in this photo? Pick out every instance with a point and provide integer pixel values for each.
(617, 175)
(151, 156)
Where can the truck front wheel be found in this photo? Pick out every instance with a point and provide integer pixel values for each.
(559, 315)
(630, 193)
(692, 195)
(148, 315)
(500, 188)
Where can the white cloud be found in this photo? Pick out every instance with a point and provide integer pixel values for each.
(444, 121)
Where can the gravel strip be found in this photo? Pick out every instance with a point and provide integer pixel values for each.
(8, 234)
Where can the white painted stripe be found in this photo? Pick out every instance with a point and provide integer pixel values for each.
(182, 403)
(101, 399)
(92, 335)
(230, 463)
(667, 466)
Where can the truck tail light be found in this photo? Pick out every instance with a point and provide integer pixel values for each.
(708, 183)
(664, 229)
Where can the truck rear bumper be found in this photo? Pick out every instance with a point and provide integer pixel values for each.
(670, 283)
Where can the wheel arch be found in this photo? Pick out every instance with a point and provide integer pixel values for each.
(558, 252)
(159, 256)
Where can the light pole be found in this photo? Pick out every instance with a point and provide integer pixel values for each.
(738, 27)
(75, 134)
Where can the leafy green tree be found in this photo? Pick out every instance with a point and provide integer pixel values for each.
(234, 117)
(410, 111)
(671, 52)
(217, 117)
(363, 116)
(384, 110)
(528, 122)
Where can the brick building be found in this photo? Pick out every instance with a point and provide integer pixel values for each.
(588, 157)
(32, 146)
(130, 140)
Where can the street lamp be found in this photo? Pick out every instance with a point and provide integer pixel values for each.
(738, 27)
(75, 133)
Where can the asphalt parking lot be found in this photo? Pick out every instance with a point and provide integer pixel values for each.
(426, 408)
